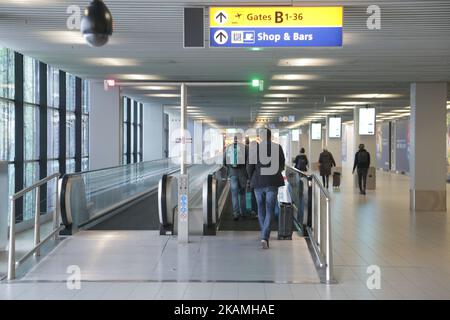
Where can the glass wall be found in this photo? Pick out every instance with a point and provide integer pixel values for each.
(132, 129)
(7, 111)
(39, 115)
(30, 132)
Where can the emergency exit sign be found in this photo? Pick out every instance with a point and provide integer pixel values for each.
(276, 26)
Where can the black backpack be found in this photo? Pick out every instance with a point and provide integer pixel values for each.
(301, 163)
(363, 158)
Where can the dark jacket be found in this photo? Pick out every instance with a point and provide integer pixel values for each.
(260, 179)
(326, 162)
(358, 164)
(239, 170)
(304, 158)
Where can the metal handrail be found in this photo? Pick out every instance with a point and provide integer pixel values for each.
(12, 263)
(314, 181)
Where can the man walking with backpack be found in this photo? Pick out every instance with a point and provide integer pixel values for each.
(235, 160)
(362, 163)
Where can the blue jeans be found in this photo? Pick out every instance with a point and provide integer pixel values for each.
(266, 199)
(238, 185)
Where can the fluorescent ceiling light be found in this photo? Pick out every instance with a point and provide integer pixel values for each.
(276, 102)
(138, 77)
(307, 62)
(287, 87)
(352, 103)
(294, 77)
(388, 114)
(114, 62)
(374, 95)
(282, 95)
(160, 88)
(341, 108)
(163, 95)
(63, 37)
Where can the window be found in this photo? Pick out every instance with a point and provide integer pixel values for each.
(52, 87)
(32, 167)
(7, 73)
(85, 107)
(70, 123)
(132, 131)
(30, 80)
(7, 136)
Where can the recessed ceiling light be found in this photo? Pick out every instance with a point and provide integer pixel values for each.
(64, 37)
(282, 95)
(353, 103)
(114, 62)
(307, 62)
(155, 88)
(294, 77)
(138, 77)
(287, 87)
(276, 102)
(374, 95)
(163, 95)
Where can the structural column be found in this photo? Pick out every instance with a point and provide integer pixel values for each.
(315, 148)
(334, 145)
(370, 144)
(428, 164)
(104, 124)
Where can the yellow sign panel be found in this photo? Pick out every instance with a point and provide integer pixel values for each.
(276, 17)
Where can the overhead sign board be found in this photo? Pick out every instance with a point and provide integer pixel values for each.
(334, 127)
(286, 119)
(316, 131)
(276, 26)
(367, 121)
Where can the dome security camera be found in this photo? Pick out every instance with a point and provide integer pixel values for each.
(96, 24)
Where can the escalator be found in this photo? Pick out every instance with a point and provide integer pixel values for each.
(125, 197)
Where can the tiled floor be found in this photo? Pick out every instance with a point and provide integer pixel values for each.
(411, 249)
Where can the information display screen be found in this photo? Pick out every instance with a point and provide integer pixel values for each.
(316, 131)
(334, 130)
(295, 134)
(367, 121)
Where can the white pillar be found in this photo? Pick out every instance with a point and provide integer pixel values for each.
(198, 142)
(4, 205)
(104, 126)
(428, 164)
(370, 143)
(153, 131)
(334, 145)
(183, 180)
(315, 148)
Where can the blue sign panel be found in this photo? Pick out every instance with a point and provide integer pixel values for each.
(276, 37)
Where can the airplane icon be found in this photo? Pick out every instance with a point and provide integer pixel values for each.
(238, 15)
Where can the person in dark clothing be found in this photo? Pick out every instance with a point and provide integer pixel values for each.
(326, 162)
(301, 161)
(266, 162)
(235, 158)
(362, 164)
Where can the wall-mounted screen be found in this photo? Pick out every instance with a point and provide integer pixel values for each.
(367, 121)
(316, 131)
(334, 127)
(295, 134)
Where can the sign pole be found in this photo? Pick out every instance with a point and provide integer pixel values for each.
(183, 191)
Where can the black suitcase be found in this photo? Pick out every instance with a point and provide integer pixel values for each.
(336, 179)
(285, 221)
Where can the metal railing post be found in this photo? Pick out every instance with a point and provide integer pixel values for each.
(329, 259)
(12, 241)
(56, 210)
(37, 222)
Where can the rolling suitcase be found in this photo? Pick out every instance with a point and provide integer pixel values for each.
(285, 221)
(336, 179)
